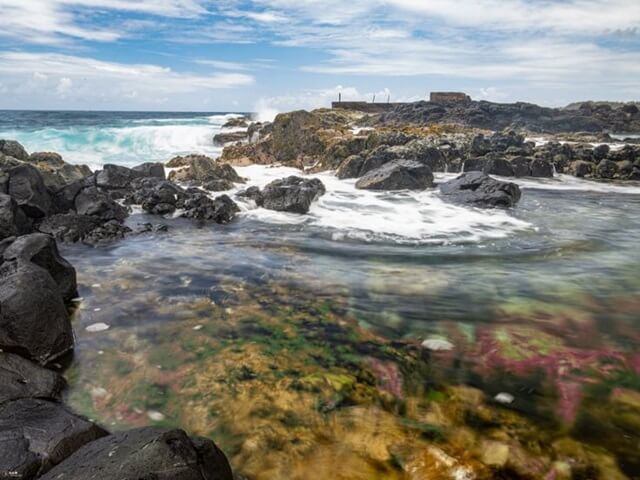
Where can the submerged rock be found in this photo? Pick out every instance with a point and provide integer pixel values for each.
(398, 175)
(292, 194)
(37, 434)
(145, 453)
(480, 190)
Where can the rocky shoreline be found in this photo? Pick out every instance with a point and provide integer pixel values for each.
(44, 200)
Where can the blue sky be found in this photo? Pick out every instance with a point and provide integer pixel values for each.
(276, 55)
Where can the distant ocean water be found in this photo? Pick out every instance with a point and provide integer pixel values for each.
(125, 138)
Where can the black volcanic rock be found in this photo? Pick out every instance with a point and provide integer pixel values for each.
(37, 434)
(292, 194)
(13, 221)
(145, 454)
(480, 190)
(398, 175)
(21, 378)
(27, 188)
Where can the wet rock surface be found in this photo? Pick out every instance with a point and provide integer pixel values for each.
(38, 434)
(21, 378)
(478, 189)
(292, 194)
(397, 175)
(145, 453)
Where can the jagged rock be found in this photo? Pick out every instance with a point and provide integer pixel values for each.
(13, 221)
(27, 188)
(252, 193)
(21, 378)
(68, 227)
(41, 250)
(541, 168)
(521, 166)
(398, 175)
(33, 318)
(200, 207)
(91, 201)
(37, 434)
(230, 137)
(114, 177)
(51, 159)
(600, 152)
(145, 453)
(607, 169)
(580, 168)
(474, 164)
(480, 190)
(350, 167)
(292, 194)
(625, 168)
(390, 138)
(499, 166)
(151, 169)
(218, 185)
(202, 169)
(106, 233)
(13, 149)
(238, 122)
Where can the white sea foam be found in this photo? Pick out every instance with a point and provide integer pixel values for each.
(405, 217)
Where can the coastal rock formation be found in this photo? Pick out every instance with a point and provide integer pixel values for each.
(13, 221)
(219, 210)
(500, 116)
(480, 190)
(37, 434)
(201, 170)
(27, 188)
(291, 194)
(21, 378)
(145, 453)
(36, 281)
(398, 175)
(222, 139)
(11, 148)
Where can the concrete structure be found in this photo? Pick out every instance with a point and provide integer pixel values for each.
(365, 107)
(449, 97)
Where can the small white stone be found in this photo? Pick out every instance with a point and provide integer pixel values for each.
(98, 392)
(197, 327)
(96, 285)
(437, 344)
(97, 309)
(505, 398)
(97, 327)
(155, 416)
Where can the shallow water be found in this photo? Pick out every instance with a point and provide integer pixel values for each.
(296, 341)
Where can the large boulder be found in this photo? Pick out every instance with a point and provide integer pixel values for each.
(56, 173)
(37, 434)
(607, 169)
(200, 169)
(92, 201)
(151, 169)
(13, 221)
(499, 166)
(21, 378)
(34, 321)
(222, 139)
(541, 168)
(292, 194)
(398, 175)
(200, 207)
(116, 177)
(13, 149)
(156, 196)
(521, 166)
(580, 168)
(145, 453)
(480, 190)
(41, 250)
(27, 188)
(350, 167)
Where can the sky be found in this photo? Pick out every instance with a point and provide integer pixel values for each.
(279, 55)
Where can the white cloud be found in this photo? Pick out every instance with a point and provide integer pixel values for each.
(86, 80)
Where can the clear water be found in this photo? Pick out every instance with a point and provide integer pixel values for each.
(295, 341)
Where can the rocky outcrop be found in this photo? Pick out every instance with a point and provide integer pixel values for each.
(222, 139)
(398, 175)
(11, 148)
(13, 221)
(201, 170)
(36, 282)
(37, 434)
(480, 190)
(27, 188)
(291, 194)
(500, 116)
(145, 453)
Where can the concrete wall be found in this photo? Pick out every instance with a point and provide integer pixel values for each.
(365, 106)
